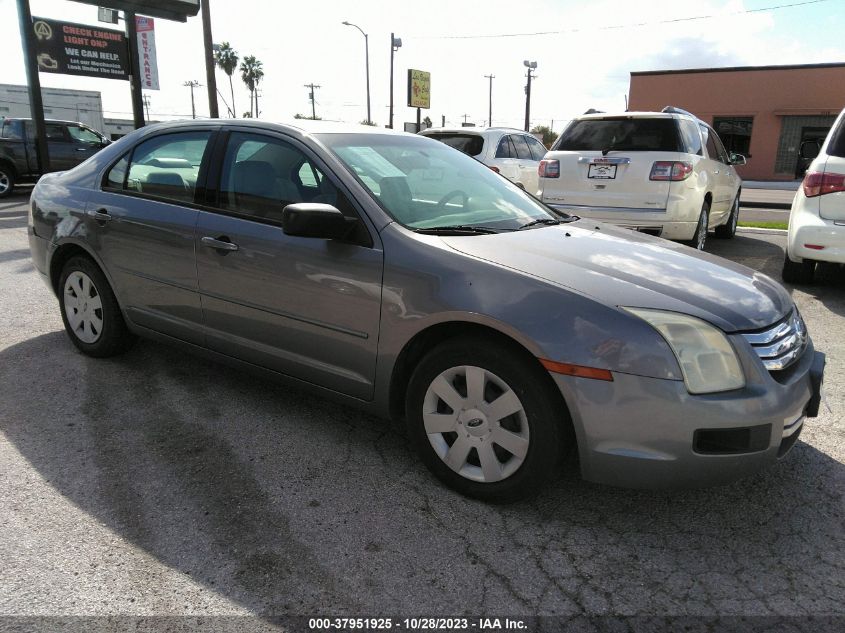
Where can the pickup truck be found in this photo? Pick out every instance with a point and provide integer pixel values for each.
(68, 142)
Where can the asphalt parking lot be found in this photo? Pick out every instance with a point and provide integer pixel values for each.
(161, 484)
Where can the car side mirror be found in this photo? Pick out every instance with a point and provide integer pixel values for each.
(809, 150)
(738, 159)
(311, 219)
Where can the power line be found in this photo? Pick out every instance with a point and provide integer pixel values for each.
(620, 26)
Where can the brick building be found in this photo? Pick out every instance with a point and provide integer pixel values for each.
(764, 112)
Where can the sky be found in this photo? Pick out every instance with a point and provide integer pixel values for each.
(584, 52)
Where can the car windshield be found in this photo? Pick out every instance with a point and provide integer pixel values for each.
(470, 144)
(621, 133)
(424, 184)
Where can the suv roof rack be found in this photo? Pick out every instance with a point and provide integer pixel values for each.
(674, 110)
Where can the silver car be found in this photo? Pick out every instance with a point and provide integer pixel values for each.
(397, 274)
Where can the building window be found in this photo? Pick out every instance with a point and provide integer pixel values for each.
(735, 133)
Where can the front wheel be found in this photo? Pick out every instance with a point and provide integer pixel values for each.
(728, 229)
(483, 419)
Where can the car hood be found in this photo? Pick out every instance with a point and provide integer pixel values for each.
(622, 268)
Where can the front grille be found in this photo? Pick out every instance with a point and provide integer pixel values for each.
(781, 344)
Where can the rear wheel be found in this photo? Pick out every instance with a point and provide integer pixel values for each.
(483, 421)
(699, 238)
(90, 311)
(798, 272)
(7, 181)
(728, 229)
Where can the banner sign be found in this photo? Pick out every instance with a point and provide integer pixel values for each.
(419, 89)
(147, 52)
(78, 49)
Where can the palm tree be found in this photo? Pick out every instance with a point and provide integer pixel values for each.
(227, 59)
(252, 73)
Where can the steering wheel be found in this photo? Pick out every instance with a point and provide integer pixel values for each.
(453, 194)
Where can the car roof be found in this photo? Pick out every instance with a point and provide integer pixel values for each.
(472, 130)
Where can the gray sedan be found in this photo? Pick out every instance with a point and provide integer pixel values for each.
(395, 273)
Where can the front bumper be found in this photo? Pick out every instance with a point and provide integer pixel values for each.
(639, 432)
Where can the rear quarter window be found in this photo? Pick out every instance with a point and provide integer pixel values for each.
(621, 133)
(470, 144)
(837, 141)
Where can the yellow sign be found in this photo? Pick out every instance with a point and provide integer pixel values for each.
(419, 89)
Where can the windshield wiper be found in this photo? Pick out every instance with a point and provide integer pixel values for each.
(456, 228)
(547, 221)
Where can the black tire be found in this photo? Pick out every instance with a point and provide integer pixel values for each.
(728, 229)
(798, 272)
(114, 337)
(7, 180)
(699, 238)
(547, 425)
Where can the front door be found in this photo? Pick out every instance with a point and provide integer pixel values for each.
(305, 307)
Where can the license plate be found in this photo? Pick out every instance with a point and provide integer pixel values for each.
(601, 171)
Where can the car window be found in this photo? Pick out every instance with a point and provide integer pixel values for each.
(720, 149)
(166, 166)
(261, 175)
(836, 147)
(538, 150)
(692, 138)
(423, 186)
(470, 144)
(83, 134)
(116, 178)
(621, 133)
(11, 129)
(710, 143)
(505, 148)
(55, 132)
(521, 146)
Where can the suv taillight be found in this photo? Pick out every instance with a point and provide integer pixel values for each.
(496, 169)
(670, 170)
(818, 183)
(549, 169)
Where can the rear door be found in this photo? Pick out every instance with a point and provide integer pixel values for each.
(59, 145)
(305, 307)
(723, 174)
(832, 205)
(142, 224)
(606, 163)
(527, 163)
(506, 160)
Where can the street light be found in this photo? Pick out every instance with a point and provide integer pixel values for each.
(395, 45)
(530, 66)
(367, 47)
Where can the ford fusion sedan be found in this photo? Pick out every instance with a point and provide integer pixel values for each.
(392, 272)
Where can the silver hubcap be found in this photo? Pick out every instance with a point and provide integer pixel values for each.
(476, 424)
(701, 235)
(83, 307)
(4, 182)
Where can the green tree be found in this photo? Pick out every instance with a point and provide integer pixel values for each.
(426, 123)
(227, 59)
(549, 137)
(365, 122)
(252, 72)
(305, 116)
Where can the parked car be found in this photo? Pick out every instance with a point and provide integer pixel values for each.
(388, 271)
(817, 219)
(68, 142)
(513, 153)
(665, 173)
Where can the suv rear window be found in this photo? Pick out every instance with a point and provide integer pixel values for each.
(471, 144)
(621, 133)
(837, 141)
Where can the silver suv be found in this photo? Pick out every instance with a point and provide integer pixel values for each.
(665, 173)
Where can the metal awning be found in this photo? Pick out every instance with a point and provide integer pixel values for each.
(178, 10)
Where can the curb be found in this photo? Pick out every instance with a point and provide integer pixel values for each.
(754, 204)
(754, 229)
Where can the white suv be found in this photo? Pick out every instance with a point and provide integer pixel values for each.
(817, 220)
(665, 173)
(513, 153)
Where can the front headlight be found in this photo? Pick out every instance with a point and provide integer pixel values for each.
(706, 356)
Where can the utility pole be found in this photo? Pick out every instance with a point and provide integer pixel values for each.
(531, 66)
(395, 45)
(134, 68)
(147, 106)
(490, 101)
(210, 79)
(192, 84)
(33, 82)
(311, 96)
(465, 117)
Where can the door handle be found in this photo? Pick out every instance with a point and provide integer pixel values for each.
(100, 215)
(221, 244)
(716, 172)
(83, 149)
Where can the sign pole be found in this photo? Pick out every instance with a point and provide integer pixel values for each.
(419, 120)
(210, 79)
(33, 83)
(134, 69)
